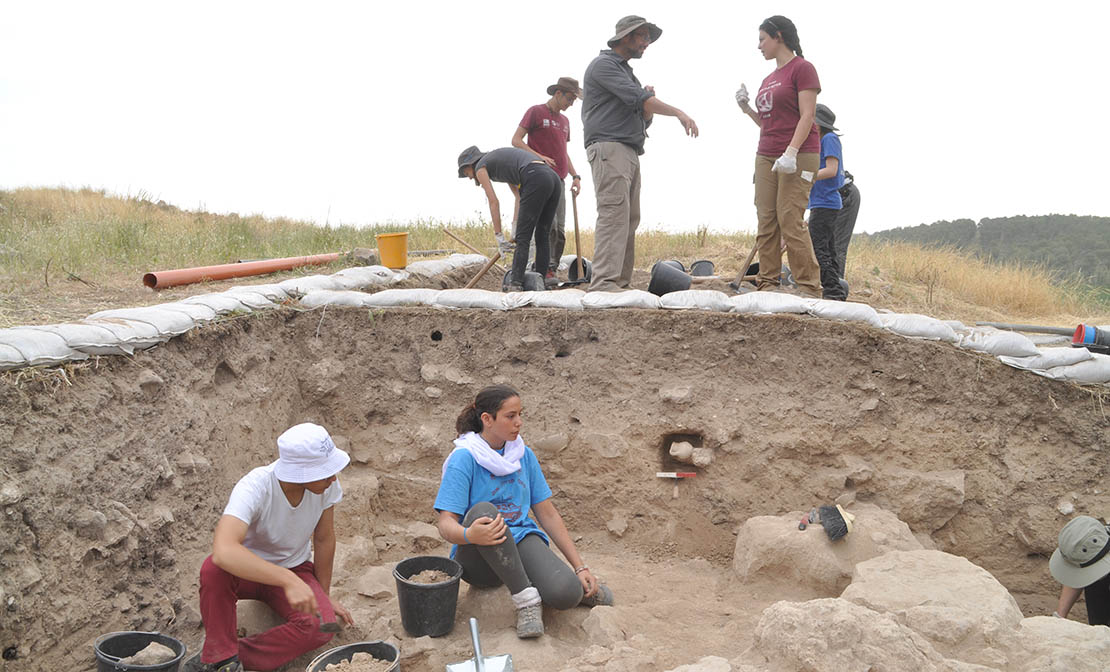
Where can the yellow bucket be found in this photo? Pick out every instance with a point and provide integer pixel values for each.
(393, 249)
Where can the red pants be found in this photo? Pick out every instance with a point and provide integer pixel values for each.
(219, 591)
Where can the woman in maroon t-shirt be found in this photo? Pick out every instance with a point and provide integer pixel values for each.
(787, 158)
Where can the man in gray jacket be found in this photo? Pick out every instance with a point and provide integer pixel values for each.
(616, 111)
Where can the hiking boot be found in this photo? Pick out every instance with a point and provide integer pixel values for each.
(550, 281)
(529, 621)
(603, 597)
(194, 665)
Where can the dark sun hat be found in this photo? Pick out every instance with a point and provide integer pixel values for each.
(568, 84)
(1082, 557)
(631, 23)
(825, 117)
(469, 157)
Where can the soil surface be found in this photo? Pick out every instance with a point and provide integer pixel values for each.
(113, 475)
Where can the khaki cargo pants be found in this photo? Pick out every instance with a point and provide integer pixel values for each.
(780, 206)
(616, 172)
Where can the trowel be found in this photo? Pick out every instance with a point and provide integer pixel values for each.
(503, 663)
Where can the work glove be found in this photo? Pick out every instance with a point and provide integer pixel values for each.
(503, 246)
(742, 97)
(787, 164)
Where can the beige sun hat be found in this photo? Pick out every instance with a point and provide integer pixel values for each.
(630, 23)
(1082, 557)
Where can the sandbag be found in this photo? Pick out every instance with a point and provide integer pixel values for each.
(1048, 358)
(632, 298)
(471, 298)
(38, 347)
(306, 284)
(430, 267)
(566, 299)
(912, 325)
(845, 311)
(388, 298)
(198, 312)
(11, 358)
(221, 303)
(271, 290)
(167, 322)
(329, 297)
(1093, 371)
(769, 302)
(360, 277)
(138, 335)
(89, 338)
(250, 299)
(996, 342)
(514, 300)
(696, 299)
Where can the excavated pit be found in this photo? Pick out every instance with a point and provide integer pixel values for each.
(113, 478)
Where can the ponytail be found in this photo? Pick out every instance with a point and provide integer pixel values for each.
(489, 400)
(780, 26)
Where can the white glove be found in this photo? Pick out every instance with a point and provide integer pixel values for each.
(787, 164)
(503, 246)
(742, 98)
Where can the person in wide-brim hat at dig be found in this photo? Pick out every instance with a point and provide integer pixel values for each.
(1082, 565)
(275, 542)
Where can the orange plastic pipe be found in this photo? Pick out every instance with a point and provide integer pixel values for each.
(187, 276)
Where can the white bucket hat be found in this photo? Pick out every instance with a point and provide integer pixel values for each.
(1082, 556)
(306, 453)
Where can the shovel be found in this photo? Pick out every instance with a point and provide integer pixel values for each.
(478, 663)
(577, 247)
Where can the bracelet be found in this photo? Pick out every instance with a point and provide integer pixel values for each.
(465, 540)
(581, 569)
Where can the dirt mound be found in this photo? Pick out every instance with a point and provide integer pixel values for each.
(111, 481)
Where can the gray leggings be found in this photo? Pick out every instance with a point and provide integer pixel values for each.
(518, 566)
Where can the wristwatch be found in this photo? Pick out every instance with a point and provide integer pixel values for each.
(576, 177)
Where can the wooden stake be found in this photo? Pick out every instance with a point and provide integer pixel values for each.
(577, 245)
(485, 269)
(744, 269)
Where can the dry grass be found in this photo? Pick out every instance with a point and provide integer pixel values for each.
(66, 253)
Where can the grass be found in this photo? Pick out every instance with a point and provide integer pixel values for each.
(48, 236)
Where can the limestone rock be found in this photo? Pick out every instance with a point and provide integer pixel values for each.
(859, 471)
(772, 548)
(1049, 643)
(367, 256)
(617, 526)
(552, 443)
(682, 451)
(377, 583)
(677, 394)
(532, 339)
(418, 646)
(924, 500)
(603, 627)
(153, 654)
(433, 392)
(706, 664)
(424, 536)
(702, 457)
(605, 445)
(831, 635)
(256, 616)
(90, 524)
(959, 607)
(149, 382)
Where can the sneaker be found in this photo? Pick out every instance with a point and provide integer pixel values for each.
(194, 665)
(529, 621)
(603, 597)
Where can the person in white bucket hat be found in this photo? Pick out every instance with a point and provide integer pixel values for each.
(275, 542)
(1082, 565)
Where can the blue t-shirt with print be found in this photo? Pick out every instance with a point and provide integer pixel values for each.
(465, 483)
(825, 193)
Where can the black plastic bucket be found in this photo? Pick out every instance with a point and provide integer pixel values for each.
(702, 267)
(665, 278)
(427, 608)
(587, 269)
(673, 263)
(380, 650)
(533, 282)
(110, 648)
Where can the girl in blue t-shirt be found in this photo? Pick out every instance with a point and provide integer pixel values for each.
(825, 204)
(490, 482)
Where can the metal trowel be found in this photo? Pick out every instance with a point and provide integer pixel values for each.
(503, 663)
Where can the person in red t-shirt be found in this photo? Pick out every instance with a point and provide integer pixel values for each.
(548, 133)
(787, 158)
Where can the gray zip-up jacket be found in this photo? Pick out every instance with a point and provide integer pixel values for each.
(613, 103)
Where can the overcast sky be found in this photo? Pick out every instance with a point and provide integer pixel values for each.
(355, 113)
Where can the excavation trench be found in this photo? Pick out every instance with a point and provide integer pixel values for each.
(113, 478)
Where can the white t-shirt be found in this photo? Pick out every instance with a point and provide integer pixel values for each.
(277, 532)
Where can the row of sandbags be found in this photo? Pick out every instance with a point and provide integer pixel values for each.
(1014, 349)
(123, 331)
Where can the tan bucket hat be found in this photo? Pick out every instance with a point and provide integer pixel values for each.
(1082, 557)
(568, 84)
(631, 23)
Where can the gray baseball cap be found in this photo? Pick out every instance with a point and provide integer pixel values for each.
(469, 157)
(1082, 557)
(631, 23)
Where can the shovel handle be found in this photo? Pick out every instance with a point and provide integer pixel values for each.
(479, 664)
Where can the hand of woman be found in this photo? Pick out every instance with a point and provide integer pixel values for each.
(487, 531)
(588, 581)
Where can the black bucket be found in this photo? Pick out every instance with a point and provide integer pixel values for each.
(701, 267)
(665, 278)
(533, 282)
(587, 269)
(673, 263)
(427, 608)
(380, 650)
(110, 648)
